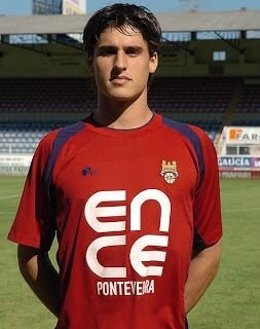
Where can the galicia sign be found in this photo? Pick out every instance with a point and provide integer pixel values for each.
(234, 162)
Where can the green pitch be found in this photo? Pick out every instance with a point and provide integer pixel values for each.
(232, 302)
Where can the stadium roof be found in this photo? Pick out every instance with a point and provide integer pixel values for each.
(193, 21)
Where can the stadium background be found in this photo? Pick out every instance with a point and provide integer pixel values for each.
(209, 75)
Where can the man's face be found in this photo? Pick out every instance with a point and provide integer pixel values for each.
(121, 64)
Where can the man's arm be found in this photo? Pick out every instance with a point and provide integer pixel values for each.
(40, 275)
(203, 269)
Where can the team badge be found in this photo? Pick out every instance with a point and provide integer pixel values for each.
(169, 171)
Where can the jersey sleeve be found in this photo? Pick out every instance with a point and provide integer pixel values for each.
(32, 225)
(207, 206)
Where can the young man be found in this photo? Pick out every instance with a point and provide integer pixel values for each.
(133, 197)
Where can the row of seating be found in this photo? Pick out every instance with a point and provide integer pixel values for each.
(79, 95)
(165, 94)
(17, 139)
(23, 138)
(199, 101)
(250, 99)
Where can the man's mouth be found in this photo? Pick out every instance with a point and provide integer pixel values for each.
(119, 78)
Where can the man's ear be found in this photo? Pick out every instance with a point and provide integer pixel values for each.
(153, 62)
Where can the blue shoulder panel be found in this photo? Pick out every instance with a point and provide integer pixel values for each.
(62, 137)
(192, 137)
(198, 242)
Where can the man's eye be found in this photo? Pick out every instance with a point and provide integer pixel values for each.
(132, 52)
(106, 52)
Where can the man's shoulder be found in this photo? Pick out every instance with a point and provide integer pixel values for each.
(62, 133)
(188, 130)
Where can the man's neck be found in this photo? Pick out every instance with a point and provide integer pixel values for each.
(122, 115)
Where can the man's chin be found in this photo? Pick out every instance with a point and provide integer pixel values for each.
(122, 98)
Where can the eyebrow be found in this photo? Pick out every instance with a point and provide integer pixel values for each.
(111, 47)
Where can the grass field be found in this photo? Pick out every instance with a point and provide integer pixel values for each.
(232, 302)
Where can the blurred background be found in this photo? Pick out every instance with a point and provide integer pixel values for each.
(209, 75)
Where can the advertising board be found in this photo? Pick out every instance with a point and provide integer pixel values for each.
(14, 164)
(242, 135)
(239, 167)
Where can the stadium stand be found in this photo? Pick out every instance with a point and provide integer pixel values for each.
(250, 99)
(201, 101)
(247, 111)
(46, 95)
(79, 95)
(209, 94)
(22, 138)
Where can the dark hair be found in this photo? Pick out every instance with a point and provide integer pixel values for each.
(119, 16)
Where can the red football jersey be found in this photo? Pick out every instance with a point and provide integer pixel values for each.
(129, 207)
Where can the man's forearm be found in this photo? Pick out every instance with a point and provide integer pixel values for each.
(203, 269)
(41, 276)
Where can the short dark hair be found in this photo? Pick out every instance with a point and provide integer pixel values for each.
(119, 16)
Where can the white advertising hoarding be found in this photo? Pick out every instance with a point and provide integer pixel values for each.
(17, 160)
(71, 7)
(15, 164)
(242, 135)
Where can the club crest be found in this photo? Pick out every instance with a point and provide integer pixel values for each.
(169, 171)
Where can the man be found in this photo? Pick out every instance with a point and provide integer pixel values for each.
(133, 197)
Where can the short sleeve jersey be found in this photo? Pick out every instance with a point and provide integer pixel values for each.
(129, 208)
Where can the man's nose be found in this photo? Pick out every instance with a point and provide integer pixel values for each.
(120, 60)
